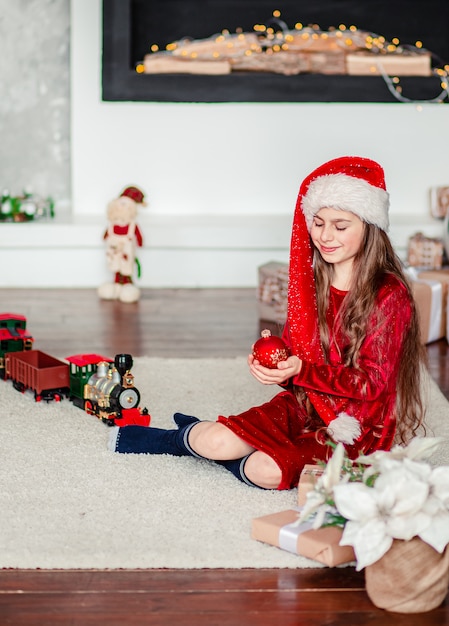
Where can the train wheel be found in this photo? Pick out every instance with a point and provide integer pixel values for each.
(57, 397)
(129, 398)
(38, 398)
(18, 386)
(88, 408)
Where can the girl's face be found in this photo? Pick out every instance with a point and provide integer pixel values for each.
(338, 235)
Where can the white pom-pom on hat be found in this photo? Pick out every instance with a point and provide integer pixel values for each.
(344, 429)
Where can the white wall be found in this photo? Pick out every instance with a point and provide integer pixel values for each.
(221, 179)
(236, 158)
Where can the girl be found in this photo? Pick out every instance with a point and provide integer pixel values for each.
(354, 371)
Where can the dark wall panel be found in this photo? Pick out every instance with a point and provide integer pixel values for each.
(130, 27)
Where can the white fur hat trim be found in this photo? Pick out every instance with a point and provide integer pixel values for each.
(347, 193)
(344, 429)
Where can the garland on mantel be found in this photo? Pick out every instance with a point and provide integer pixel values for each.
(274, 47)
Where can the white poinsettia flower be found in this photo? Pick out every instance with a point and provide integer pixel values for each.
(366, 532)
(422, 448)
(418, 449)
(437, 532)
(315, 508)
(397, 496)
(393, 507)
(402, 490)
(401, 497)
(331, 475)
(419, 468)
(433, 505)
(406, 527)
(322, 515)
(439, 484)
(356, 501)
(369, 540)
(317, 500)
(385, 465)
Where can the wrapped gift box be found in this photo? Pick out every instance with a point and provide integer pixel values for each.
(439, 202)
(307, 481)
(322, 545)
(428, 295)
(425, 252)
(441, 276)
(272, 292)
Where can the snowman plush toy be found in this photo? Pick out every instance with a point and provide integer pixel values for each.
(122, 238)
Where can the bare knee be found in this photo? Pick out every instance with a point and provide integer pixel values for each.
(263, 471)
(217, 442)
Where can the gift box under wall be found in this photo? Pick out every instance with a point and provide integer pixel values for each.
(320, 545)
(307, 481)
(442, 276)
(425, 252)
(428, 296)
(272, 292)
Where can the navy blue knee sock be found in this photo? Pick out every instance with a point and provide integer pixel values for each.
(144, 440)
(237, 467)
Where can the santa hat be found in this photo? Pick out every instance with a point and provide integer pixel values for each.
(354, 184)
(135, 194)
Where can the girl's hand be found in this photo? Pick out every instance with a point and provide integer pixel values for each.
(284, 371)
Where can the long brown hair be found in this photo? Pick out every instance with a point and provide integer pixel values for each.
(374, 260)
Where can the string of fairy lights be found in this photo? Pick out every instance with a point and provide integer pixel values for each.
(275, 36)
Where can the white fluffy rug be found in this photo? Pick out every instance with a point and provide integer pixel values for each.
(66, 502)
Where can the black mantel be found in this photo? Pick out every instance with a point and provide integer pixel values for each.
(129, 28)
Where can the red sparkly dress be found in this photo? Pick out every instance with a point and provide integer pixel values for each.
(367, 392)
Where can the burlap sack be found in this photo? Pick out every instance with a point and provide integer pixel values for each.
(411, 577)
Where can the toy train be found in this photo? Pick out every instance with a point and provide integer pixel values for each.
(92, 382)
(14, 336)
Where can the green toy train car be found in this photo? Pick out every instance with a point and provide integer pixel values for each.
(14, 337)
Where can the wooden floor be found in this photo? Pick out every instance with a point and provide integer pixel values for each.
(181, 323)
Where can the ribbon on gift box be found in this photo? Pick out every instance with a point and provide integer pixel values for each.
(436, 308)
(288, 535)
(436, 305)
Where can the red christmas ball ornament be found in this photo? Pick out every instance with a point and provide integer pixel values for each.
(270, 349)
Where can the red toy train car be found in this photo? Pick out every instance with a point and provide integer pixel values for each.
(46, 376)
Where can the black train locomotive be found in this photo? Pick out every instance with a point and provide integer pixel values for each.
(106, 389)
